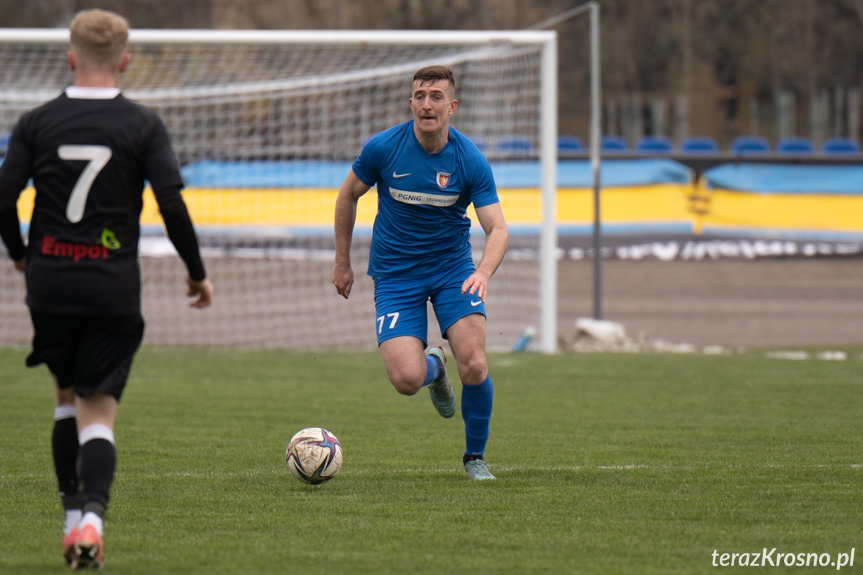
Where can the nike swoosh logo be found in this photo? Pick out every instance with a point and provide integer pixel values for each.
(395, 175)
(475, 303)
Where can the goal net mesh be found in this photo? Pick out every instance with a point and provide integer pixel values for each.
(264, 135)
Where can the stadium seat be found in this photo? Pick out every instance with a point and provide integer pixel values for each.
(514, 145)
(569, 145)
(480, 142)
(794, 146)
(750, 145)
(840, 147)
(653, 145)
(613, 144)
(699, 145)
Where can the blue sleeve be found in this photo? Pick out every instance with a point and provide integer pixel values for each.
(483, 189)
(365, 166)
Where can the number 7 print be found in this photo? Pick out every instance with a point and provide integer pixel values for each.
(96, 158)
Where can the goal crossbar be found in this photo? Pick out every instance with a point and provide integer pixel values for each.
(313, 37)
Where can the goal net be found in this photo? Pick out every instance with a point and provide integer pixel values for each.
(266, 126)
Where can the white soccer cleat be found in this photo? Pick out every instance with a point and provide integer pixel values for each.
(476, 470)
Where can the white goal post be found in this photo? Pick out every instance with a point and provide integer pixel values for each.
(266, 125)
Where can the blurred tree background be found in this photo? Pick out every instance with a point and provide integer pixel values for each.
(721, 68)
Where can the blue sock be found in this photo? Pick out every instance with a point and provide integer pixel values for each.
(476, 401)
(433, 369)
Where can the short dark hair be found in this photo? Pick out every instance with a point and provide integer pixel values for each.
(433, 74)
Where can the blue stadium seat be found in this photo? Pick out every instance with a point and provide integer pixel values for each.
(653, 145)
(840, 147)
(514, 145)
(613, 144)
(569, 145)
(480, 142)
(750, 145)
(699, 145)
(794, 146)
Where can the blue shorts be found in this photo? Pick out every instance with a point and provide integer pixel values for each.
(400, 304)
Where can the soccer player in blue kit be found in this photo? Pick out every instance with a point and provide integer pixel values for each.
(427, 174)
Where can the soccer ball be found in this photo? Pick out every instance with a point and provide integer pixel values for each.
(314, 455)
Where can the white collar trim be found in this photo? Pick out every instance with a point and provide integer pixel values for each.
(84, 93)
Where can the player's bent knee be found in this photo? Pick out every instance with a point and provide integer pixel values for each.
(473, 371)
(406, 381)
(406, 386)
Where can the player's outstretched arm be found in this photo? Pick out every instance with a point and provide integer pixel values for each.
(203, 290)
(496, 242)
(350, 192)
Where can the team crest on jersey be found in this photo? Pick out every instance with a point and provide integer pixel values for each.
(443, 179)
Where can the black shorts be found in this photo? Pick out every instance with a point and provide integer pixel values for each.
(90, 353)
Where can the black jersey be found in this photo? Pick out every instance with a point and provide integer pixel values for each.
(88, 159)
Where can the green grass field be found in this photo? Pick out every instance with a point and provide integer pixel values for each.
(605, 464)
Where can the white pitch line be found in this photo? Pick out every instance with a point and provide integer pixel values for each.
(448, 470)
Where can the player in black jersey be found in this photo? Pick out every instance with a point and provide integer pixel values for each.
(89, 152)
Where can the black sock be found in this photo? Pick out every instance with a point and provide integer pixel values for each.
(64, 445)
(97, 460)
(469, 457)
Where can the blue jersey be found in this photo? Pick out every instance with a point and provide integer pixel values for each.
(421, 228)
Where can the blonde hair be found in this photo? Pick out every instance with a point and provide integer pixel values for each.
(99, 36)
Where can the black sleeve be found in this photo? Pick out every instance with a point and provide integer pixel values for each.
(10, 232)
(163, 172)
(14, 173)
(181, 232)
